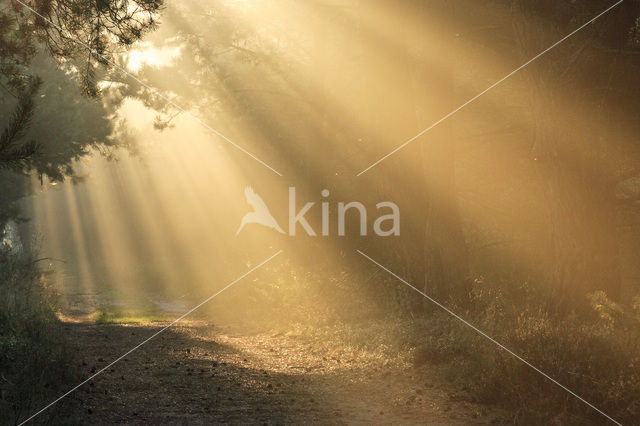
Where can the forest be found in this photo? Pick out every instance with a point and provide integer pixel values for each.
(320, 211)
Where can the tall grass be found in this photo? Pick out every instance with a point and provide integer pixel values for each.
(594, 352)
(33, 356)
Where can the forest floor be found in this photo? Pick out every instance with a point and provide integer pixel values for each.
(199, 373)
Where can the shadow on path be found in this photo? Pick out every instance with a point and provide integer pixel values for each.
(199, 374)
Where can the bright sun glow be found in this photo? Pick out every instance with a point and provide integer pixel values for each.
(146, 54)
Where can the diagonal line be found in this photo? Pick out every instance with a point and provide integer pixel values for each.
(70, 36)
(518, 357)
(149, 338)
(490, 87)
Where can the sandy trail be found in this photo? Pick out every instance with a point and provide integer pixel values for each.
(197, 373)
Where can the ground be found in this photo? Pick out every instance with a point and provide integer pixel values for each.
(200, 373)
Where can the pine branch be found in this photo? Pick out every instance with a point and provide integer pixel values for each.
(13, 154)
(21, 116)
(17, 158)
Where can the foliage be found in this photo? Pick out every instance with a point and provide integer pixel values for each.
(33, 356)
(86, 33)
(14, 154)
(50, 126)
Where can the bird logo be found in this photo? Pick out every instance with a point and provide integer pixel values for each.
(260, 213)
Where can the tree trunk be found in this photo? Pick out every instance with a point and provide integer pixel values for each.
(445, 250)
(583, 222)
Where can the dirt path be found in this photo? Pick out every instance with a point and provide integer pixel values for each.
(201, 374)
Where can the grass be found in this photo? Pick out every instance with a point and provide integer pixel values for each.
(105, 316)
(34, 359)
(595, 354)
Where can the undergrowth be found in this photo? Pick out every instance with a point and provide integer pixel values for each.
(33, 369)
(595, 354)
